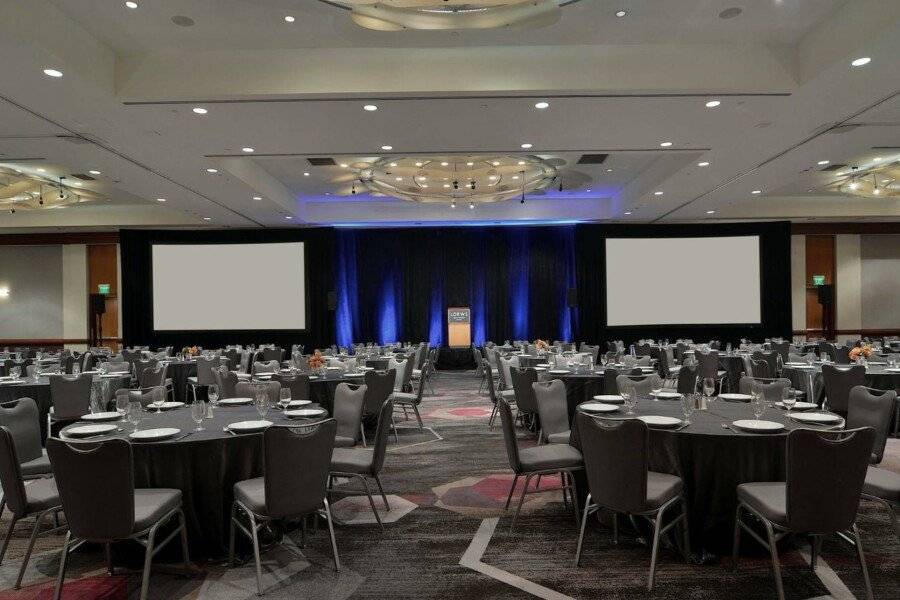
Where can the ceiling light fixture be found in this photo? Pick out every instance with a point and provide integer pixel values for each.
(52, 73)
(387, 147)
(665, 144)
(471, 206)
(343, 165)
(94, 172)
(370, 107)
(41, 170)
(756, 192)
(526, 146)
(542, 105)
(627, 212)
(248, 150)
(658, 193)
(212, 171)
(823, 162)
(160, 199)
(131, 4)
(288, 217)
(289, 18)
(710, 212)
(257, 197)
(621, 13)
(444, 164)
(199, 110)
(306, 173)
(862, 61)
(713, 103)
(703, 164)
(207, 218)
(609, 170)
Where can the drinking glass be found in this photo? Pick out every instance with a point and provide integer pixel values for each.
(123, 401)
(758, 400)
(198, 413)
(135, 413)
(285, 397)
(788, 398)
(688, 404)
(15, 372)
(627, 393)
(76, 370)
(262, 403)
(709, 387)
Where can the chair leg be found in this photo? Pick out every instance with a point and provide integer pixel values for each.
(334, 550)
(107, 551)
(655, 549)
(686, 531)
(2, 504)
(776, 563)
(8, 537)
(584, 520)
(387, 506)
(491, 419)
(735, 547)
(396, 433)
(418, 417)
(521, 502)
(862, 561)
(255, 535)
(615, 517)
(63, 557)
(511, 489)
(27, 557)
(372, 503)
(814, 542)
(362, 432)
(184, 540)
(148, 560)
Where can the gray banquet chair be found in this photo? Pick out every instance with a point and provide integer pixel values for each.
(411, 400)
(837, 383)
(96, 486)
(781, 348)
(549, 459)
(70, 398)
(687, 379)
(492, 392)
(772, 388)
(379, 387)
(298, 384)
(616, 462)
(366, 463)
(39, 499)
(266, 367)
(642, 385)
(349, 401)
(146, 396)
(22, 418)
(874, 408)
(248, 389)
(270, 355)
(553, 411)
(204, 377)
(227, 382)
(294, 484)
(708, 364)
(820, 496)
(771, 360)
(521, 381)
(117, 367)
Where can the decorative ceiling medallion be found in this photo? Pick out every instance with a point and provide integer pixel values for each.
(456, 178)
(19, 191)
(436, 15)
(877, 182)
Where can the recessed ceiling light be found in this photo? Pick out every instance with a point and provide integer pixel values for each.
(446, 185)
(589, 189)
(398, 179)
(710, 212)
(823, 162)
(393, 164)
(628, 212)
(212, 170)
(160, 199)
(756, 192)
(131, 4)
(621, 13)
(658, 193)
(248, 149)
(471, 205)
(521, 162)
(94, 172)
(713, 103)
(387, 147)
(343, 165)
(470, 164)
(207, 218)
(41, 170)
(257, 197)
(859, 62)
(703, 164)
(424, 185)
(77, 184)
(418, 164)
(496, 163)
(52, 73)
(306, 173)
(444, 164)
(665, 144)
(542, 105)
(492, 177)
(289, 18)
(526, 146)
(370, 107)
(609, 170)
(515, 177)
(199, 110)
(289, 217)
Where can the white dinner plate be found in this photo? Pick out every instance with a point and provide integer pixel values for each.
(249, 426)
(12, 382)
(154, 435)
(90, 430)
(804, 366)
(235, 401)
(877, 362)
(366, 368)
(354, 374)
(664, 395)
(111, 375)
(539, 368)
(892, 370)
(817, 418)
(312, 377)
(754, 426)
(264, 375)
(598, 407)
(660, 421)
(559, 371)
(795, 364)
(90, 372)
(242, 375)
(610, 399)
(735, 397)
(545, 365)
(165, 405)
(304, 413)
(648, 369)
(298, 403)
(799, 406)
(102, 416)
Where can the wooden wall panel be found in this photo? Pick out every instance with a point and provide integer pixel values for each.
(103, 267)
(820, 260)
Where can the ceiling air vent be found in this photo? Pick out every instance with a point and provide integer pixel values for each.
(321, 161)
(82, 177)
(833, 168)
(592, 159)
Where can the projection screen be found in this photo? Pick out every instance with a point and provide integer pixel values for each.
(229, 286)
(683, 281)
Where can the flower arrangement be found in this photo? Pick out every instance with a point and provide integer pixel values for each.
(541, 344)
(316, 360)
(190, 350)
(861, 351)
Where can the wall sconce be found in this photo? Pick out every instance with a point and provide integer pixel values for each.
(4, 292)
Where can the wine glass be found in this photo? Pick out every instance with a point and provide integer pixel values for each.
(758, 400)
(788, 399)
(198, 413)
(15, 372)
(284, 397)
(76, 370)
(262, 403)
(212, 394)
(709, 387)
(135, 413)
(123, 401)
(627, 393)
(688, 404)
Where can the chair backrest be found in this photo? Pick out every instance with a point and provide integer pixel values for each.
(760, 368)
(522, 380)
(234, 357)
(615, 461)
(687, 379)
(826, 348)
(680, 347)
(771, 389)
(248, 389)
(270, 354)
(298, 384)
(379, 385)
(610, 385)
(552, 406)
(296, 464)
(872, 408)
(489, 380)
(382, 431)
(708, 364)
(117, 366)
(642, 385)
(771, 360)
(838, 381)
(506, 365)
(349, 401)
(642, 350)
(11, 474)
(23, 420)
(96, 486)
(71, 396)
(266, 367)
(509, 435)
(205, 370)
(825, 475)
(227, 382)
(399, 367)
(594, 350)
(152, 376)
(781, 348)
(841, 355)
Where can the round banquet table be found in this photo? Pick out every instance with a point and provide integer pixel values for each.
(712, 461)
(321, 388)
(204, 465)
(878, 377)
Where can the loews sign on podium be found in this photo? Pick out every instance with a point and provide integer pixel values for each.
(459, 326)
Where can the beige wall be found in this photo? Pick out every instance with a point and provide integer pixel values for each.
(798, 282)
(75, 294)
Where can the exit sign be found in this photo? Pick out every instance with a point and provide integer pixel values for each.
(818, 279)
(103, 288)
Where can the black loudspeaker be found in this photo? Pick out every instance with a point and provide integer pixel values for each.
(572, 298)
(826, 295)
(98, 304)
(332, 300)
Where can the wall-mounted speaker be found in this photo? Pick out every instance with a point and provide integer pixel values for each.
(98, 304)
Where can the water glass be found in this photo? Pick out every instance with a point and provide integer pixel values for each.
(198, 413)
(285, 397)
(758, 400)
(628, 398)
(262, 403)
(15, 372)
(135, 413)
(76, 370)
(212, 394)
(709, 387)
(788, 398)
(123, 401)
(688, 404)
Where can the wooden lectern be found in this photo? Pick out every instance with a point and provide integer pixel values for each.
(459, 327)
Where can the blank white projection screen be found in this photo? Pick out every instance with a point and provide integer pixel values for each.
(682, 281)
(229, 286)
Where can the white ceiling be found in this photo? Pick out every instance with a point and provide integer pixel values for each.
(291, 91)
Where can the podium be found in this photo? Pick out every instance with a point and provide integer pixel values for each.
(459, 327)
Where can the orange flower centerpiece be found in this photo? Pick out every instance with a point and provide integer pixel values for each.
(190, 350)
(316, 360)
(541, 344)
(864, 351)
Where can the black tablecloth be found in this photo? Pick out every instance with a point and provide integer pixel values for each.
(712, 461)
(455, 359)
(178, 372)
(204, 466)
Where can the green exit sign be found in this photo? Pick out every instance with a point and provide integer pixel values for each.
(818, 280)
(103, 288)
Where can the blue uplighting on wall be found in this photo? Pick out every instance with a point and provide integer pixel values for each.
(436, 318)
(478, 301)
(518, 282)
(346, 311)
(388, 307)
(568, 317)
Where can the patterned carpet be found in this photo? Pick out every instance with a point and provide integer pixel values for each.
(447, 497)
